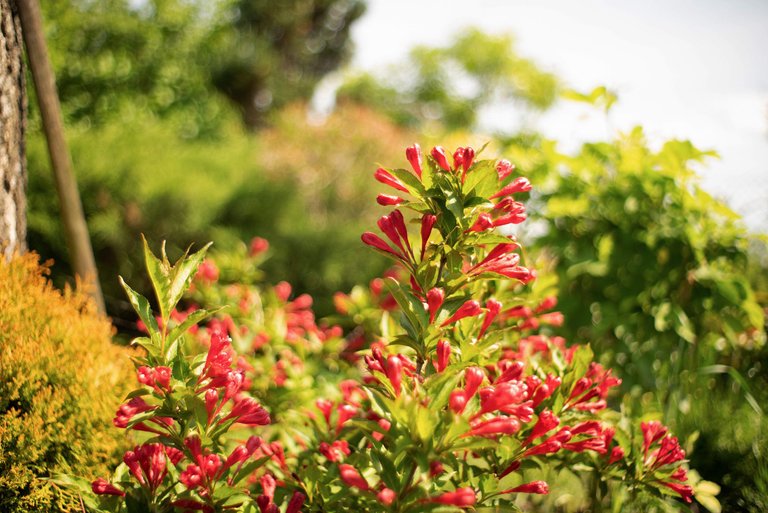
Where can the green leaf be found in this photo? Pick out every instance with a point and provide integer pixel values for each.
(141, 305)
(411, 182)
(158, 274)
(410, 305)
(182, 273)
(192, 319)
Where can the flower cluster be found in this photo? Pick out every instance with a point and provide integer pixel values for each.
(188, 404)
(464, 388)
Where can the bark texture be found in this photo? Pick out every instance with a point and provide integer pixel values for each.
(13, 168)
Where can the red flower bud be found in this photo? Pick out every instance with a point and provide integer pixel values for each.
(443, 355)
(385, 177)
(413, 154)
(457, 401)
(351, 477)
(427, 222)
(438, 153)
(470, 308)
(386, 200)
(294, 505)
(504, 168)
(258, 246)
(435, 299)
(394, 371)
(386, 496)
(473, 378)
(539, 487)
(493, 308)
(103, 487)
(462, 497)
(519, 184)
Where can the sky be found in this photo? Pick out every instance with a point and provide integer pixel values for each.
(687, 69)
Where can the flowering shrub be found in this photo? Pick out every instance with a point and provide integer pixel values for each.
(450, 391)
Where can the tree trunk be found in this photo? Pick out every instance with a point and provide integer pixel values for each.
(13, 104)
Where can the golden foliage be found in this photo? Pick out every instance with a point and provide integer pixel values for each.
(61, 379)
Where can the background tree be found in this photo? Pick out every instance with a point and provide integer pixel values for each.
(450, 85)
(13, 224)
(277, 55)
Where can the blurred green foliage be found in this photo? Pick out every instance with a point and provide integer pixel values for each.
(450, 85)
(269, 56)
(172, 58)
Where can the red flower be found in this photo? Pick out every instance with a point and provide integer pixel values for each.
(473, 378)
(385, 177)
(463, 497)
(257, 246)
(103, 487)
(457, 401)
(386, 496)
(470, 308)
(427, 222)
(435, 299)
(496, 426)
(394, 371)
(519, 184)
(351, 477)
(443, 355)
(540, 487)
(438, 153)
(248, 411)
(493, 307)
(294, 505)
(386, 200)
(413, 154)
(685, 491)
(504, 168)
(546, 422)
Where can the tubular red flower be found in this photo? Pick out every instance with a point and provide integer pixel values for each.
(386, 200)
(470, 308)
(294, 505)
(438, 153)
(463, 497)
(394, 372)
(504, 168)
(376, 242)
(652, 432)
(617, 453)
(413, 154)
(443, 355)
(685, 491)
(248, 411)
(351, 477)
(496, 426)
(435, 299)
(473, 378)
(211, 401)
(257, 246)
(427, 222)
(344, 412)
(399, 223)
(484, 222)
(457, 401)
(386, 496)
(385, 177)
(519, 184)
(493, 307)
(103, 487)
(539, 487)
(546, 422)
